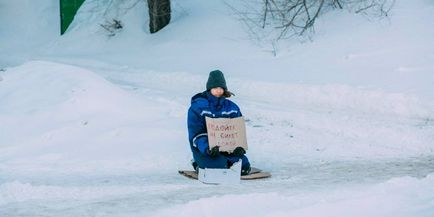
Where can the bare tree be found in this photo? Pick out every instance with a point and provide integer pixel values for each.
(159, 14)
(295, 17)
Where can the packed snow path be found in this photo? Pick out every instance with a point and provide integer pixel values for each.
(142, 194)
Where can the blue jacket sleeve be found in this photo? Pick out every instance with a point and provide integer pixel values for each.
(198, 136)
(238, 114)
(234, 107)
(202, 144)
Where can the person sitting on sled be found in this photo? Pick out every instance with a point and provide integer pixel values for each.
(213, 103)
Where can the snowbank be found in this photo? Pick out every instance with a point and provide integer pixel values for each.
(54, 114)
(391, 55)
(396, 197)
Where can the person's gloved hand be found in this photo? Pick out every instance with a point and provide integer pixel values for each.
(239, 151)
(214, 152)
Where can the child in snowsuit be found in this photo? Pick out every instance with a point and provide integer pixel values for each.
(213, 103)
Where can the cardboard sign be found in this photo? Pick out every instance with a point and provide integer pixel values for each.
(228, 133)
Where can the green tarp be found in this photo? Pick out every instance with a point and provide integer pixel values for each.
(68, 9)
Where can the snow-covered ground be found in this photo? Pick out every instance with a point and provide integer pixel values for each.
(92, 125)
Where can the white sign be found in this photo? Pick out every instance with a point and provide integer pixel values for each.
(221, 176)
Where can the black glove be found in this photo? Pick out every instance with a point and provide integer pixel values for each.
(214, 152)
(239, 151)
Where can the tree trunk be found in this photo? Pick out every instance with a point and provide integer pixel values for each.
(159, 14)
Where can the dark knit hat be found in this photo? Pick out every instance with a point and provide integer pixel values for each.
(216, 79)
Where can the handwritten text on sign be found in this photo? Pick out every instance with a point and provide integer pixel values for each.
(228, 133)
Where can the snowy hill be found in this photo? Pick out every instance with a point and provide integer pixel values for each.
(92, 124)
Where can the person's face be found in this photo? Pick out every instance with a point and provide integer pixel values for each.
(217, 91)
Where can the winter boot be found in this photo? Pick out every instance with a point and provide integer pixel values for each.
(195, 167)
(245, 171)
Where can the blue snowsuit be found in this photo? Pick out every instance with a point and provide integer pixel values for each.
(202, 105)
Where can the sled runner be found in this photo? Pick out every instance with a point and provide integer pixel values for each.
(255, 173)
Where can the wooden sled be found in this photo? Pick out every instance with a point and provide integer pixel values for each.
(255, 173)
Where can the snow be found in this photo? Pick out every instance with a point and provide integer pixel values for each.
(69, 112)
(95, 125)
(396, 197)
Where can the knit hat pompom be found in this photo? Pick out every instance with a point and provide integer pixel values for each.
(216, 79)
